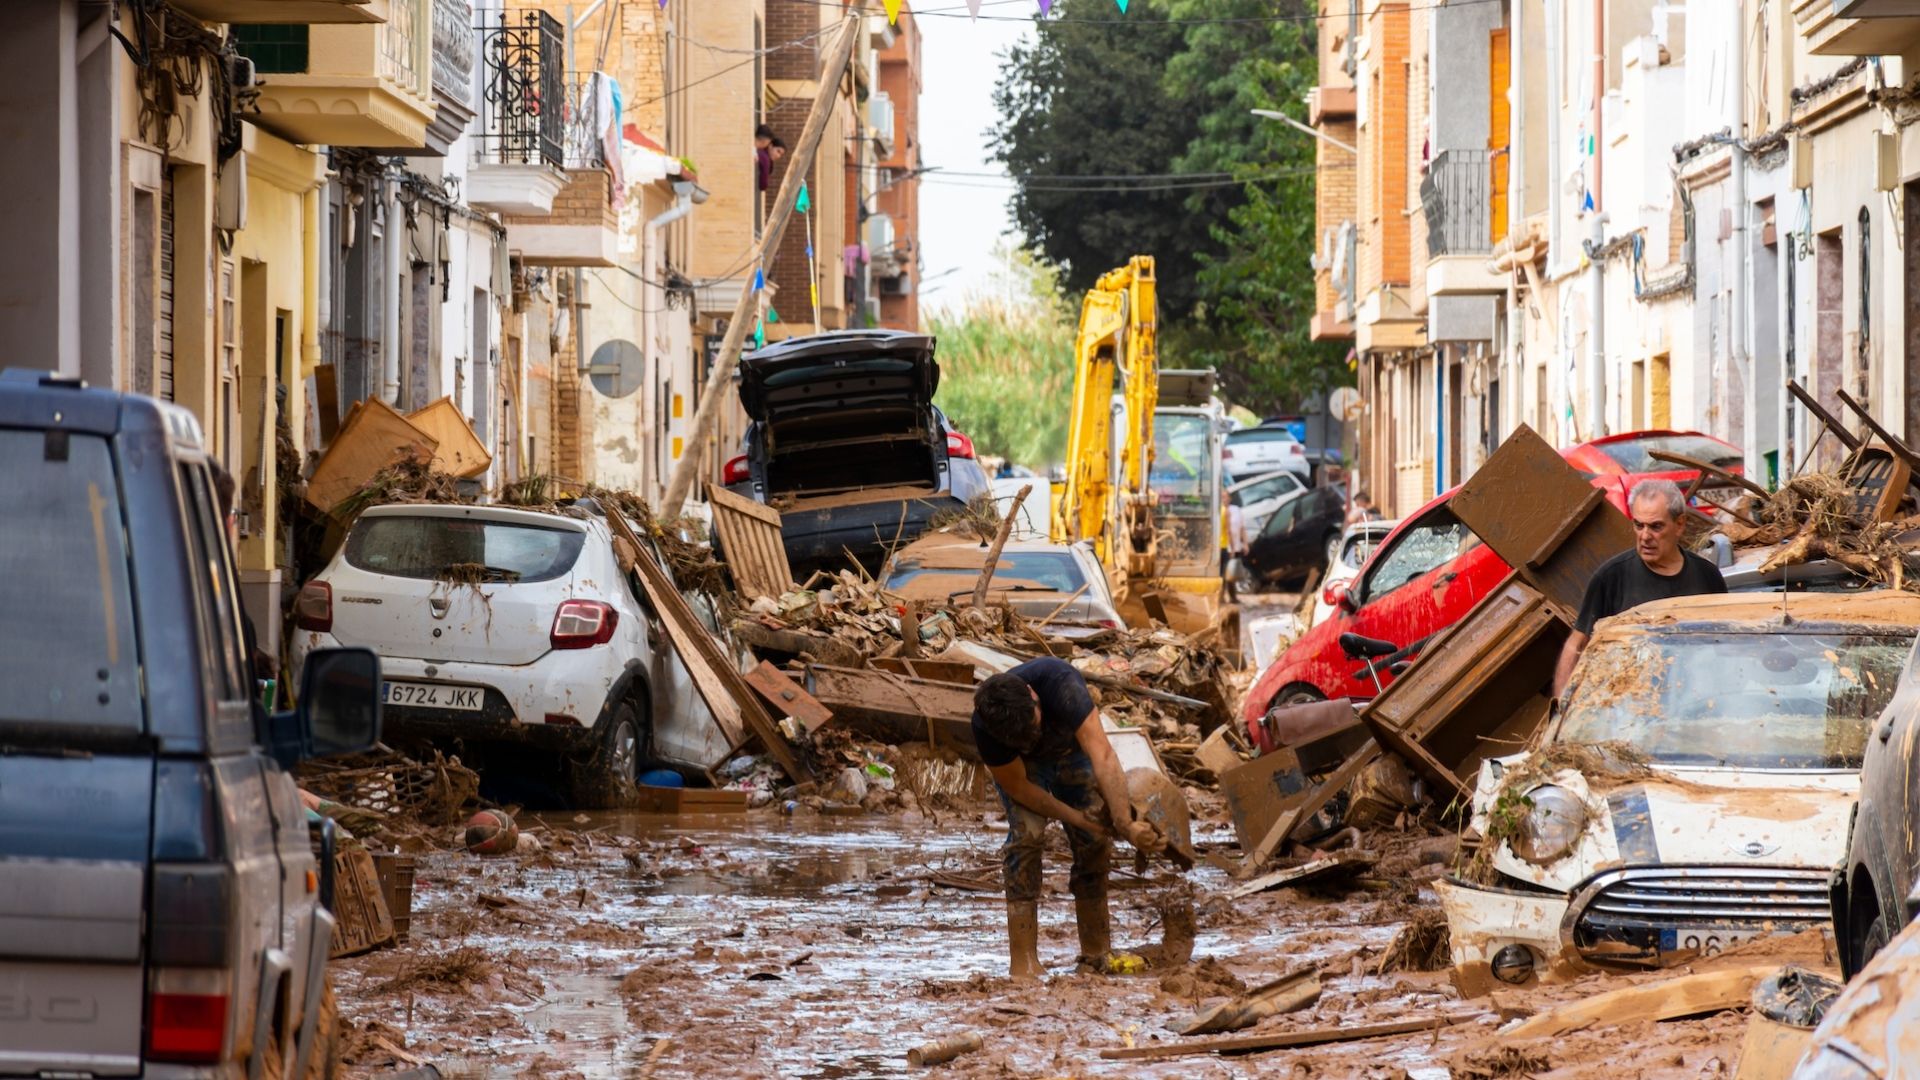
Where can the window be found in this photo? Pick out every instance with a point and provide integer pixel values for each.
(462, 549)
(1056, 571)
(1272, 487)
(1184, 467)
(68, 654)
(1633, 455)
(1282, 519)
(1426, 545)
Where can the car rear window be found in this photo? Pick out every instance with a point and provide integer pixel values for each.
(1050, 570)
(462, 549)
(1634, 455)
(68, 654)
(1252, 435)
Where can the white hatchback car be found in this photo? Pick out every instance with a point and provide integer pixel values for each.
(497, 625)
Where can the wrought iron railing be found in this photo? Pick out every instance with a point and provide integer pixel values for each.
(588, 116)
(524, 106)
(1457, 197)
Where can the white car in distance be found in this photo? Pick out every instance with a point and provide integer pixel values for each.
(502, 628)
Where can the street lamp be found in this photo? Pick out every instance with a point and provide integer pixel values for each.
(1275, 114)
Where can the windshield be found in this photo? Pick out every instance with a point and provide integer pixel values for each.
(1183, 470)
(462, 549)
(1046, 569)
(1259, 435)
(1761, 701)
(1358, 547)
(1633, 455)
(67, 650)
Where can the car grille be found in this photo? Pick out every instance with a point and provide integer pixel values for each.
(1708, 895)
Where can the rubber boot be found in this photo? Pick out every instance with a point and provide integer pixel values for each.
(1023, 939)
(1096, 931)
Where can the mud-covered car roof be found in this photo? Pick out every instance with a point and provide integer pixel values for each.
(1890, 608)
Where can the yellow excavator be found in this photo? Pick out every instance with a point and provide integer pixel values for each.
(1143, 482)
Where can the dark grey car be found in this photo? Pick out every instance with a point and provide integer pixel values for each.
(846, 443)
(162, 912)
(1875, 893)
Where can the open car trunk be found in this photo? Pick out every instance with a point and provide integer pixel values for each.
(839, 412)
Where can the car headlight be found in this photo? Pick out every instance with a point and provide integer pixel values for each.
(1554, 820)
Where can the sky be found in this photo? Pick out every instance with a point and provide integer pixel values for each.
(961, 218)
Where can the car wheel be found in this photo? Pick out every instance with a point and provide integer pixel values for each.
(611, 777)
(1298, 694)
(1871, 942)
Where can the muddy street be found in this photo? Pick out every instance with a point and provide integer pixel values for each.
(827, 946)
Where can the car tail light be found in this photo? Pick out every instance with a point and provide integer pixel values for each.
(1109, 624)
(959, 445)
(313, 608)
(583, 623)
(737, 470)
(187, 1016)
(1226, 454)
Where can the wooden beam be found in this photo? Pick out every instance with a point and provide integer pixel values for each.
(1289, 820)
(1900, 449)
(1669, 999)
(1832, 422)
(1282, 1040)
(1694, 463)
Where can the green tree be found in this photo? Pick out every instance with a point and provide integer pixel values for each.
(1170, 88)
(1006, 364)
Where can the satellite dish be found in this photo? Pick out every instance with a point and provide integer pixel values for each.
(617, 368)
(1345, 403)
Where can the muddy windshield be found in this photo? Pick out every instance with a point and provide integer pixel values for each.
(462, 549)
(1759, 701)
(1183, 465)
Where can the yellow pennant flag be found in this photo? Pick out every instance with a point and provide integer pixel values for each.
(893, 11)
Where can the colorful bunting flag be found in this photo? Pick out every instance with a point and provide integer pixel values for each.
(973, 10)
(759, 279)
(1123, 6)
(802, 203)
(893, 11)
(1046, 7)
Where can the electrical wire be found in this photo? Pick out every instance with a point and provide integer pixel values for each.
(709, 77)
(963, 13)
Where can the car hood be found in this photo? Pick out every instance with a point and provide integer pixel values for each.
(1682, 817)
(838, 373)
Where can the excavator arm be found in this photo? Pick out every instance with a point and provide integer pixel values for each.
(1116, 337)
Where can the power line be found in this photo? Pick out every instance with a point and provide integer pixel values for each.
(1304, 17)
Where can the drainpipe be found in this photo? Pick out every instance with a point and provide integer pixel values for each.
(1556, 254)
(395, 238)
(313, 243)
(1597, 333)
(1516, 205)
(1740, 305)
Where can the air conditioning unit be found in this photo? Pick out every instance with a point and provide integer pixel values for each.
(897, 285)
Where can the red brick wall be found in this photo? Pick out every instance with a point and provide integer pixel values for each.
(900, 77)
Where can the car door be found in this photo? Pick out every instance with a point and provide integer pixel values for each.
(1420, 582)
(1268, 554)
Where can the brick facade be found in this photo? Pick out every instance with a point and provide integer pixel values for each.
(900, 78)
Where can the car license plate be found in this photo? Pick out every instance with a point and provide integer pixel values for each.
(433, 696)
(1706, 941)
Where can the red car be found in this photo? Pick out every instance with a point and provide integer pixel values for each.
(1429, 572)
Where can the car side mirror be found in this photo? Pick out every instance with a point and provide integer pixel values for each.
(1343, 598)
(339, 710)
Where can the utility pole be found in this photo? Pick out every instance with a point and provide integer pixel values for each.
(710, 397)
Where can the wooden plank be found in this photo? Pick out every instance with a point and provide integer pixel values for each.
(1296, 989)
(786, 696)
(1281, 1040)
(1669, 999)
(666, 800)
(751, 544)
(792, 642)
(1518, 503)
(1707, 469)
(1290, 820)
(1340, 862)
(896, 708)
(460, 453)
(720, 685)
(373, 437)
(1900, 449)
(957, 672)
(1259, 791)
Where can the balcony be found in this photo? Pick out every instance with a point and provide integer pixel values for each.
(280, 11)
(1858, 27)
(582, 229)
(1457, 197)
(519, 136)
(368, 85)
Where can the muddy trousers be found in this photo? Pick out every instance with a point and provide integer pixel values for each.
(1069, 779)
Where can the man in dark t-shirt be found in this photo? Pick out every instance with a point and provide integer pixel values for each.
(1039, 735)
(1655, 568)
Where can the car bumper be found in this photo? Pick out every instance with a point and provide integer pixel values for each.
(822, 538)
(1484, 920)
(517, 699)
